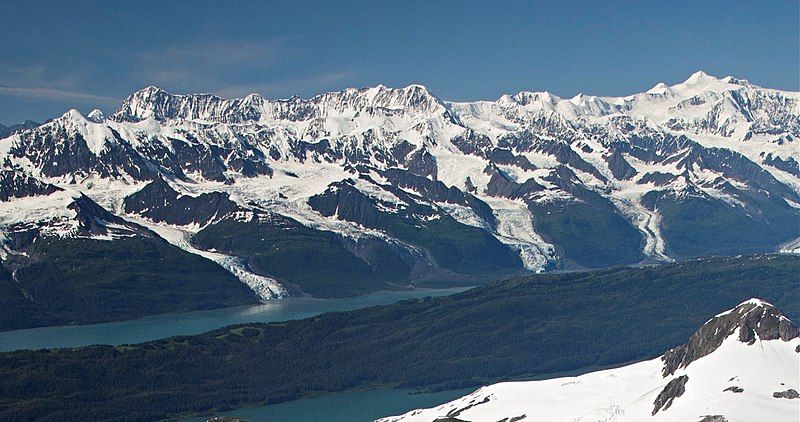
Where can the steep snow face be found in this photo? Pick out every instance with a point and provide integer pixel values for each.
(52, 211)
(517, 167)
(157, 103)
(629, 393)
(737, 381)
(58, 213)
(726, 112)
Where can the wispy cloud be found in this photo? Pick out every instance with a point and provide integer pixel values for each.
(287, 86)
(55, 95)
(229, 68)
(209, 64)
(224, 52)
(39, 81)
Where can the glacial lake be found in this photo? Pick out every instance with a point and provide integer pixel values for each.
(360, 406)
(168, 325)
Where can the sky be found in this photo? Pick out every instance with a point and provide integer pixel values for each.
(55, 56)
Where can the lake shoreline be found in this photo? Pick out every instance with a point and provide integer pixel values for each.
(154, 327)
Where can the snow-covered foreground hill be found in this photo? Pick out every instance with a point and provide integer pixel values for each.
(373, 188)
(742, 365)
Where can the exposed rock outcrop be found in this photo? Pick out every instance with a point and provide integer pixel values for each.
(754, 319)
(671, 391)
(788, 394)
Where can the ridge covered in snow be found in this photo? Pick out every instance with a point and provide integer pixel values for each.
(739, 366)
(559, 183)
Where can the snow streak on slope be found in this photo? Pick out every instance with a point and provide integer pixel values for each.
(265, 287)
(515, 228)
(790, 247)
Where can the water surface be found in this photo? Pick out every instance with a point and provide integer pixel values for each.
(361, 406)
(168, 325)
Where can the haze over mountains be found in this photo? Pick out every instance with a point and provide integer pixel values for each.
(374, 188)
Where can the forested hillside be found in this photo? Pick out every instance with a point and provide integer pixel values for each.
(528, 326)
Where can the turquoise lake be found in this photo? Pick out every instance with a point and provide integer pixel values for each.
(361, 406)
(168, 325)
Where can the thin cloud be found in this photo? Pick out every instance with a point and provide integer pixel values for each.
(230, 69)
(56, 95)
(287, 87)
(58, 77)
(226, 52)
(209, 64)
(48, 83)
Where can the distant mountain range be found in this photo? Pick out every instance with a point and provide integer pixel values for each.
(741, 365)
(376, 188)
(6, 131)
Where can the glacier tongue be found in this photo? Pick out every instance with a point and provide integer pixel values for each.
(515, 228)
(265, 287)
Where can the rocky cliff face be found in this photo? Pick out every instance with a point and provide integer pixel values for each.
(752, 320)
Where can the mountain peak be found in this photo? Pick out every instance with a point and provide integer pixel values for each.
(753, 320)
(660, 89)
(154, 102)
(735, 81)
(96, 116)
(141, 104)
(254, 97)
(416, 97)
(700, 77)
(149, 90)
(417, 88)
(73, 115)
(524, 98)
(577, 98)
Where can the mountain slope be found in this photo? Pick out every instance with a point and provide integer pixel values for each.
(84, 281)
(76, 262)
(740, 365)
(532, 326)
(451, 193)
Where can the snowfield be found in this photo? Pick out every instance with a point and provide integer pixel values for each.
(723, 140)
(737, 381)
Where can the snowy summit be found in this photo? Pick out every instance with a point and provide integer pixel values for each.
(739, 366)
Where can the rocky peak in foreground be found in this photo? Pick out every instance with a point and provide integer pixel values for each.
(740, 365)
(750, 321)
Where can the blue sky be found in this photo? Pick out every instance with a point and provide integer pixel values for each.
(58, 56)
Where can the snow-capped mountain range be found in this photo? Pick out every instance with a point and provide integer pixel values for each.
(378, 187)
(741, 365)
